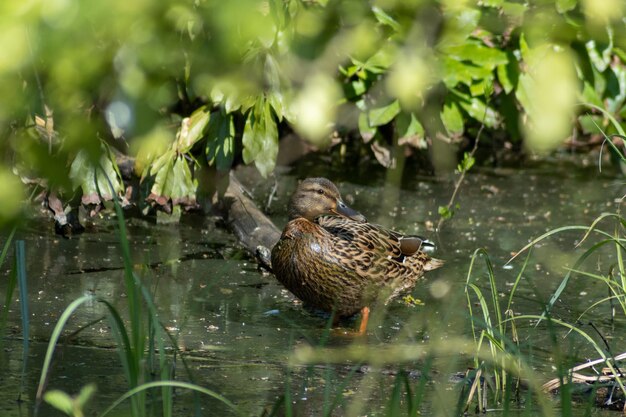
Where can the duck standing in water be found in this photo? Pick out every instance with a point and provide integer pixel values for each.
(333, 260)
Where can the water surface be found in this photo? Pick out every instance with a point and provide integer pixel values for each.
(238, 328)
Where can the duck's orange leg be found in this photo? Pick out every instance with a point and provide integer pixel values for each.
(365, 315)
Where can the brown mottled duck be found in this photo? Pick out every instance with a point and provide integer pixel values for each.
(333, 260)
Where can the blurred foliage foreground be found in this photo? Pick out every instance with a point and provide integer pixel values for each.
(185, 85)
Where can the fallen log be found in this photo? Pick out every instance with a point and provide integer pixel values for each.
(254, 230)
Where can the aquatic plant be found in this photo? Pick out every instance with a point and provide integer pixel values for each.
(17, 277)
(493, 328)
(136, 342)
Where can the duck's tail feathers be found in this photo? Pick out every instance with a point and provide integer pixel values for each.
(433, 263)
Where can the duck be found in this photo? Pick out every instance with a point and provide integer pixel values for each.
(332, 259)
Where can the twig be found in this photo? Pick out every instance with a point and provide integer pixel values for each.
(272, 194)
(459, 181)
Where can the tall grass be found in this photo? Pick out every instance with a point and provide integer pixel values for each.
(17, 278)
(614, 279)
(492, 329)
(136, 340)
(10, 284)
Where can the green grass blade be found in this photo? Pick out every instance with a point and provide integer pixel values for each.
(620, 299)
(10, 284)
(419, 392)
(127, 355)
(598, 219)
(551, 233)
(609, 116)
(468, 280)
(555, 296)
(130, 280)
(54, 338)
(606, 359)
(7, 245)
(20, 267)
(517, 281)
(171, 384)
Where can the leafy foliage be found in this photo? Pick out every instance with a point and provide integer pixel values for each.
(71, 406)
(260, 138)
(98, 181)
(210, 83)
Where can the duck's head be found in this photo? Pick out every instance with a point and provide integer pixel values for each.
(316, 197)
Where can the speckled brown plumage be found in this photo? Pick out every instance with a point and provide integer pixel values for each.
(343, 263)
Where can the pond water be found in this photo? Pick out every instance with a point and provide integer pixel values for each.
(238, 328)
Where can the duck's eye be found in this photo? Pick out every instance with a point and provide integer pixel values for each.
(320, 191)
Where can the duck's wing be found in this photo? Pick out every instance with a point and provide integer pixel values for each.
(374, 239)
(368, 238)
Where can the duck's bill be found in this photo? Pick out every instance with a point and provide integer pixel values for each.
(343, 210)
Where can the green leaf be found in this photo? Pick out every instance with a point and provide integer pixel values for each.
(480, 88)
(522, 93)
(466, 163)
(477, 109)
(183, 187)
(278, 12)
(589, 123)
(260, 138)
(616, 88)
(455, 72)
(478, 53)
(589, 95)
(162, 170)
(351, 70)
(460, 23)
(452, 118)
(600, 60)
(60, 400)
(410, 131)
(220, 141)
(508, 74)
(385, 19)
(367, 132)
(150, 147)
(173, 181)
(382, 59)
(524, 49)
(620, 53)
(445, 212)
(355, 89)
(192, 129)
(383, 115)
(85, 395)
(232, 103)
(275, 98)
(93, 179)
(272, 72)
(109, 171)
(514, 11)
(563, 6)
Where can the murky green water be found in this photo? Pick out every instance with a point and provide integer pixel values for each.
(238, 327)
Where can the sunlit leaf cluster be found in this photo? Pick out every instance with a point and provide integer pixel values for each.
(184, 85)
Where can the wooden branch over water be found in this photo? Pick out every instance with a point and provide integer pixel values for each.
(251, 226)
